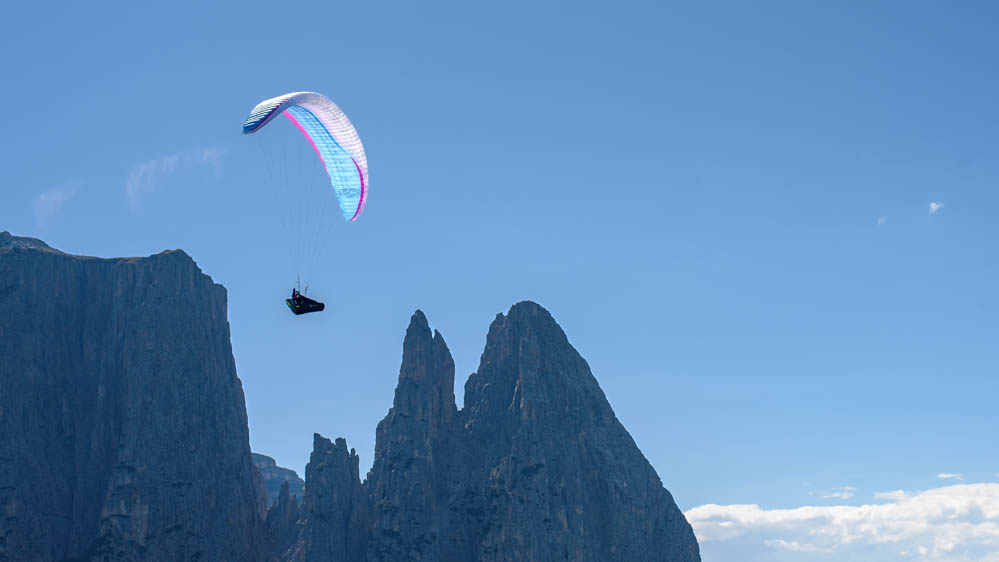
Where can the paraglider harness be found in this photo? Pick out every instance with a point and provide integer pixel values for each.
(301, 304)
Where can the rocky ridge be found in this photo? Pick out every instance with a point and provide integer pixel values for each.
(118, 399)
(123, 436)
(535, 466)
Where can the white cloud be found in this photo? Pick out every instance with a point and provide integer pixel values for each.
(934, 207)
(843, 493)
(949, 476)
(48, 207)
(955, 523)
(894, 495)
(882, 220)
(794, 546)
(147, 176)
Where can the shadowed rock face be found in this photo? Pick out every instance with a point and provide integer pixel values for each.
(536, 465)
(123, 436)
(337, 510)
(275, 478)
(283, 524)
(410, 476)
(123, 431)
(560, 477)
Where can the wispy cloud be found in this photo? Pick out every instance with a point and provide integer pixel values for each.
(935, 206)
(147, 176)
(794, 546)
(948, 524)
(48, 206)
(894, 495)
(949, 476)
(882, 220)
(843, 493)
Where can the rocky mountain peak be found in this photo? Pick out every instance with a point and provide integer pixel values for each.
(535, 467)
(530, 372)
(412, 443)
(8, 240)
(121, 372)
(426, 376)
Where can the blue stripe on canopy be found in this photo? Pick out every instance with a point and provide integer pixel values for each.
(345, 175)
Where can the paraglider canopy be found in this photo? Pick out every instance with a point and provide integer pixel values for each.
(339, 148)
(332, 137)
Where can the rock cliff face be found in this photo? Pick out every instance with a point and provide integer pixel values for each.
(123, 436)
(283, 524)
(123, 431)
(535, 466)
(337, 511)
(561, 477)
(276, 477)
(410, 476)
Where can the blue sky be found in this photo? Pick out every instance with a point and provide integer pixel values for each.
(726, 205)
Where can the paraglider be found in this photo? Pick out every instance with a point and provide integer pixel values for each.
(338, 146)
(301, 304)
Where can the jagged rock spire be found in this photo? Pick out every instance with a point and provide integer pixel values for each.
(536, 466)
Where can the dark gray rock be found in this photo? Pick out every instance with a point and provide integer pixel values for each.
(336, 509)
(123, 436)
(409, 478)
(283, 523)
(275, 477)
(123, 431)
(536, 465)
(556, 474)
(9, 241)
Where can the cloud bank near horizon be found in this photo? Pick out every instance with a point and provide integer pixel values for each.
(957, 523)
